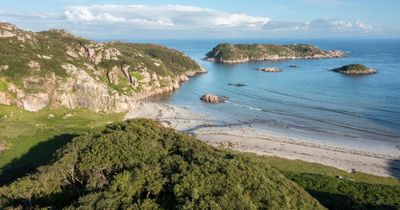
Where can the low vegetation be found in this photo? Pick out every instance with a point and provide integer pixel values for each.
(140, 164)
(143, 165)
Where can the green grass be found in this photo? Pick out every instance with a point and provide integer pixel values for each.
(3, 85)
(37, 134)
(136, 75)
(299, 166)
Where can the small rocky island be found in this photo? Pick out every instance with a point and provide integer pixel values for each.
(213, 99)
(355, 69)
(241, 53)
(270, 69)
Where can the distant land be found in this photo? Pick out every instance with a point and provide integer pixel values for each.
(241, 53)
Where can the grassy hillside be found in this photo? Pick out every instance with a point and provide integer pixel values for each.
(140, 164)
(57, 69)
(33, 137)
(16, 54)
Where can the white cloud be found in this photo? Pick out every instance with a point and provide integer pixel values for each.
(363, 26)
(178, 16)
(320, 24)
(160, 21)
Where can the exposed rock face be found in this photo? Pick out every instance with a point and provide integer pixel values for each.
(35, 102)
(57, 69)
(83, 91)
(241, 53)
(3, 146)
(5, 99)
(269, 69)
(355, 69)
(8, 31)
(213, 99)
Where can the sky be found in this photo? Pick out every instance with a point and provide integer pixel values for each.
(208, 19)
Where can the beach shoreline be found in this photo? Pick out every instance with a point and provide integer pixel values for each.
(248, 138)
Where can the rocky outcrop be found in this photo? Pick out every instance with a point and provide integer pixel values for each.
(269, 69)
(355, 69)
(3, 146)
(35, 102)
(241, 53)
(10, 31)
(5, 99)
(213, 99)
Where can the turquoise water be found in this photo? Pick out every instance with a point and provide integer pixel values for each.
(308, 100)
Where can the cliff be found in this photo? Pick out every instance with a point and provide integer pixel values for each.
(240, 53)
(57, 69)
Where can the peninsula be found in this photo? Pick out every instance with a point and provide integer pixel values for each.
(241, 53)
(57, 69)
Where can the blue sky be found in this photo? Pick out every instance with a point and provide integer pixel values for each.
(156, 19)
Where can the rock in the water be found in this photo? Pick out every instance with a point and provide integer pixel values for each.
(237, 84)
(213, 99)
(269, 69)
(355, 69)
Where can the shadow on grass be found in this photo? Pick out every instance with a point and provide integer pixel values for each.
(394, 168)
(335, 201)
(39, 155)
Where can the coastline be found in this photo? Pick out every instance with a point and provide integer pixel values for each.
(262, 142)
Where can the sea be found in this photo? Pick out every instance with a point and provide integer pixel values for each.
(308, 101)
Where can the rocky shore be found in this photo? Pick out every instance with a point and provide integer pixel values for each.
(241, 53)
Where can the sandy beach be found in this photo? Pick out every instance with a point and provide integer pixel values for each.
(251, 139)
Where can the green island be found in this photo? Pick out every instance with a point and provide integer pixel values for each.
(355, 69)
(241, 53)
